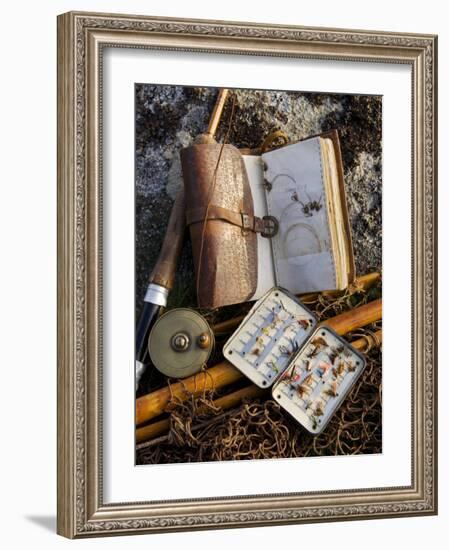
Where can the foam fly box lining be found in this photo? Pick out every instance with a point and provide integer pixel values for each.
(272, 332)
(318, 379)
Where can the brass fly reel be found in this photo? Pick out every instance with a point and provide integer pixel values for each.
(180, 343)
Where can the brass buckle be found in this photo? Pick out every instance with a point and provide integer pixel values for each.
(246, 223)
(270, 227)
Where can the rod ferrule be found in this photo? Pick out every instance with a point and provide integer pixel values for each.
(156, 294)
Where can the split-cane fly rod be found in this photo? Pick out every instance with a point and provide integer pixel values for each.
(163, 274)
(161, 282)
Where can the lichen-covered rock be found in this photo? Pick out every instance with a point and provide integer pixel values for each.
(169, 117)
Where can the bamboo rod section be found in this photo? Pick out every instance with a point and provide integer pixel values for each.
(153, 404)
(356, 318)
(155, 429)
(361, 344)
(225, 402)
(363, 283)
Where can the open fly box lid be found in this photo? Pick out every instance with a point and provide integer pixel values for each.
(318, 379)
(269, 336)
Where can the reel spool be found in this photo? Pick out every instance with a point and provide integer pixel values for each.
(180, 343)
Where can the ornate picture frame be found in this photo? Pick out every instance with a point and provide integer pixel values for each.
(82, 38)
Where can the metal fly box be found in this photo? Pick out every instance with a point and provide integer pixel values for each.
(318, 379)
(269, 336)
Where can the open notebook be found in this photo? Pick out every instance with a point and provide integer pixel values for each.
(299, 185)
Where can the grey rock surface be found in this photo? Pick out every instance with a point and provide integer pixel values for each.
(169, 117)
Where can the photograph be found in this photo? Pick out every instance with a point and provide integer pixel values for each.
(258, 274)
(247, 284)
(223, 237)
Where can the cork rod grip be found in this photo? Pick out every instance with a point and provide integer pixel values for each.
(163, 273)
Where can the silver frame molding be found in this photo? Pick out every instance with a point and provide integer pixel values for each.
(81, 37)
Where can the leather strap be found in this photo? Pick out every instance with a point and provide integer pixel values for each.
(266, 226)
